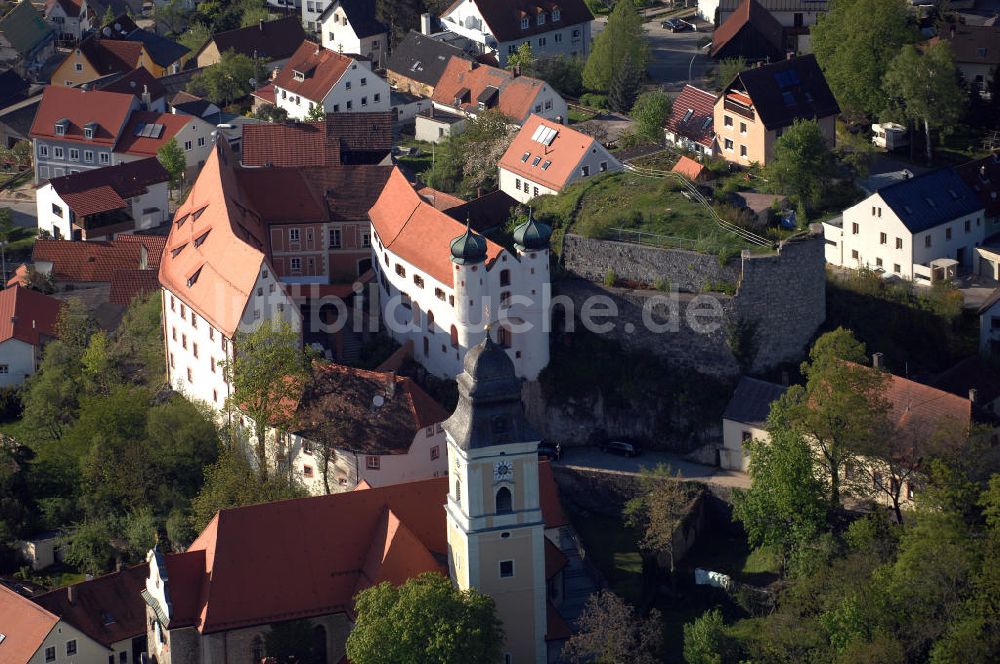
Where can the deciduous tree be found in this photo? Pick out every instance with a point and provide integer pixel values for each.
(610, 632)
(727, 71)
(171, 156)
(650, 113)
(522, 60)
(659, 511)
(802, 164)
(424, 621)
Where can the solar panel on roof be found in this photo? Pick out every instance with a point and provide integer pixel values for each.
(788, 98)
(538, 132)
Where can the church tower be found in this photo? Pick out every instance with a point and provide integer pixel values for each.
(496, 538)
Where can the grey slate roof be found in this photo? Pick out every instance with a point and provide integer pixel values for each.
(780, 5)
(752, 399)
(422, 58)
(163, 51)
(361, 16)
(931, 199)
(788, 90)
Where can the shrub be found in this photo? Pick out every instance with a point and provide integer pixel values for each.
(610, 278)
(594, 100)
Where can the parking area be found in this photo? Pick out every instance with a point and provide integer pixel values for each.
(594, 458)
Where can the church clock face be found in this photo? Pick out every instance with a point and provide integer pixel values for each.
(503, 470)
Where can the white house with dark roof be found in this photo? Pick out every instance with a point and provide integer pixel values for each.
(501, 26)
(350, 26)
(744, 420)
(441, 284)
(922, 228)
(690, 125)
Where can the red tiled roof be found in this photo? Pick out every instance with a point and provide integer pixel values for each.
(698, 125)
(320, 143)
(750, 15)
(565, 152)
(983, 177)
(111, 56)
(230, 251)
(266, 94)
(127, 285)
(25, 626)
(439, 199)
(20, 277)
(504, 16)
(556, 627)
(381, 533)
(923, 407)
(689, 168)
(27, 315)
(972, 44)
(89, 262)
(108, 609)
(104, 189)
(515, 97)
(321, 66)
(172, 123)
(269, 40)
(415, 231)
(110, 110)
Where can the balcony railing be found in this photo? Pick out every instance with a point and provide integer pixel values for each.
(738, 109)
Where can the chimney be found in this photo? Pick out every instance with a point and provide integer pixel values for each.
(390, 390)
(260, 24)
(70, 594)
(425, 23)
(973, 394)
(953, 32)
(147, 99)
(472, 65)
(789, 55)
(878, 361)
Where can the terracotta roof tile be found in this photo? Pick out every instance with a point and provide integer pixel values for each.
(108, 609)
(25, 626)
(322, 69)
(127, 285)
(27, 315)
(110, 110)
(692, 115)
(762, 34)
(392, 532)
(689, 168)
(341, 138)
(515, 96)
(104, 189)
(504, 16)
(563, 154)
(111, 56)
(134, 82)
(414, 230)
(439, 199)
(89, 262)
(173, 123)
(973, 44)
(271, 40)
(983, 177)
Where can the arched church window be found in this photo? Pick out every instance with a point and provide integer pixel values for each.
(504, 501)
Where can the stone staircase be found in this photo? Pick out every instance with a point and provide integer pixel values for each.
(579, 580)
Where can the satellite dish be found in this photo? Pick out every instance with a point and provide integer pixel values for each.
(378, 401)
(253, 82)
(118, 27)
(106, 31)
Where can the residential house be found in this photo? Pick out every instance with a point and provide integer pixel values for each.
(33, 635)
(109, 610)
(26, 41)
(165, 55)
(350, 26)
(989, 326)
(470, 88)
(106, 275)
(316, 76)
(68, 19)
(311, 11)
(750, 33)
(270, 41)
(690, 125)
(436, 126)
(188, 104)
(418, 62)
(139, 83)
(16, 120)
(365, 426)
(921, 229)
(745, 419)
(499, 27)
(795, 17)
(344, 138)
(757, 106)
(976, 52)
(983, 177)
(102, 203)
(388, 533)
(146, 132)
(77, 129)
(442, 283)
(27, 321)
(976, 376)
(96, 57)
(545, 157)
(13, 89)
(691, 169)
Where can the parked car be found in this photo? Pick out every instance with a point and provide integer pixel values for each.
(549, 451)
(621, 447)
(670, 24)
(676, 25)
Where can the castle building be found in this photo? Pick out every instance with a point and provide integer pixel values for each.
(441, 283)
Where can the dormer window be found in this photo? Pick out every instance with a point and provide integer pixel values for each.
(525, 22)
(298, 75)
(541, 18)
(555, 15)
(61, 127)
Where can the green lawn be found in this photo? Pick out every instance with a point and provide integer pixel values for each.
(611, 547)
(579, 115)
(418, 164)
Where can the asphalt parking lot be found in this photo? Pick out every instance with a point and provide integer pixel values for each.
(674, 56)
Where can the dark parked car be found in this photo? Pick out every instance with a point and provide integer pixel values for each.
(621, 447)
(676, 25)
(549, 451)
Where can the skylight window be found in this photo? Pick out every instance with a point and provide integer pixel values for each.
(687, 115)
(534, 162)
(930, 202)
(524, 157)
(954, 195)
(906, 208)
(546, 165)
(107, 618)
(706, 123)
(788, 98)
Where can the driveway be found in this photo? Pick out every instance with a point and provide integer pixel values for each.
(590, 458)
(673, 55)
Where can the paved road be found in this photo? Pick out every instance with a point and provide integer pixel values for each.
(591, 457)
(24, 213)
(672, 55)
